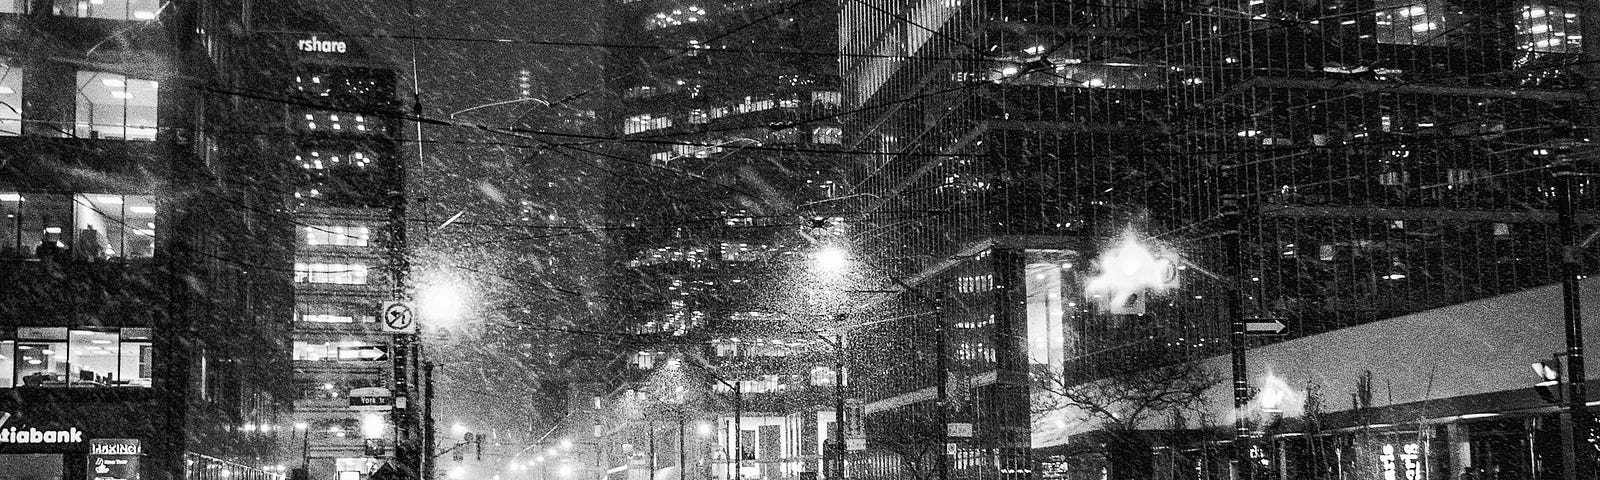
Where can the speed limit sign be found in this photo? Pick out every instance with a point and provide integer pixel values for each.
(399, 317)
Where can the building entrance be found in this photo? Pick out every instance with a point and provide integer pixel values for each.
(31, 466)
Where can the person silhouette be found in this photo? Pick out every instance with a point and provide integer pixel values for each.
(49, 247)
(92, 245)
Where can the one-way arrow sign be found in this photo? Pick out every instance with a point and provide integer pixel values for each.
(1264, 326)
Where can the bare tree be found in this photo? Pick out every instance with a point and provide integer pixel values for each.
(1127, 405)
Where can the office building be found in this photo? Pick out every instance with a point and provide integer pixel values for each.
(726, 131)
(1387, 158)
(138, 336)
(344, 197)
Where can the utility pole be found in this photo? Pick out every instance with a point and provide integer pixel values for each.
(738, 433)
(682, 442)
(428, 440)
(943, 365)
(837, 472)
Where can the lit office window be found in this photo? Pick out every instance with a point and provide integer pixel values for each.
(336, 312)
(109, 9)
(337, 235)
(331, 273)
(1543, 27)
(828, 135)
(10, 98)
(63, 357)
(339, 351)
(83, 227)
(115, 107)
(1412, 22)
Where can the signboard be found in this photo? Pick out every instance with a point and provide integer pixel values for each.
(36, 436)
(321, 46)
(371, 399)
(40, 438)
(114, 459)
(399, 317)
(1265, 326)
(958, 430)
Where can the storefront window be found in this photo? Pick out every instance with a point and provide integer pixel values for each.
(83, 227)
(41, 357)
(115, 107)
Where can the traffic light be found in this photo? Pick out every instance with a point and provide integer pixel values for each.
(1549, 386)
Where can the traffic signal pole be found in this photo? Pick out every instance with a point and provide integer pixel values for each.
(1575, 420)
(1233, 245)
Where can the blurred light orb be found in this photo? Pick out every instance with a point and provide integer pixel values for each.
(372, 426)
(441, 302)
(831, 259)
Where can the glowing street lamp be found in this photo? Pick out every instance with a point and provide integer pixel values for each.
(442, 302)
(831, 260)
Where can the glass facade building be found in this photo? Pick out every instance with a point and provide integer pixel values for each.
(1387, 158)
(726, 106)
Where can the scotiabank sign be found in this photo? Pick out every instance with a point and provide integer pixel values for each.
(34, 435)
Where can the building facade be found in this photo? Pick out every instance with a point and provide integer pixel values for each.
(138, 337)
(1384, 157)
(725, 113)
(344, 197)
